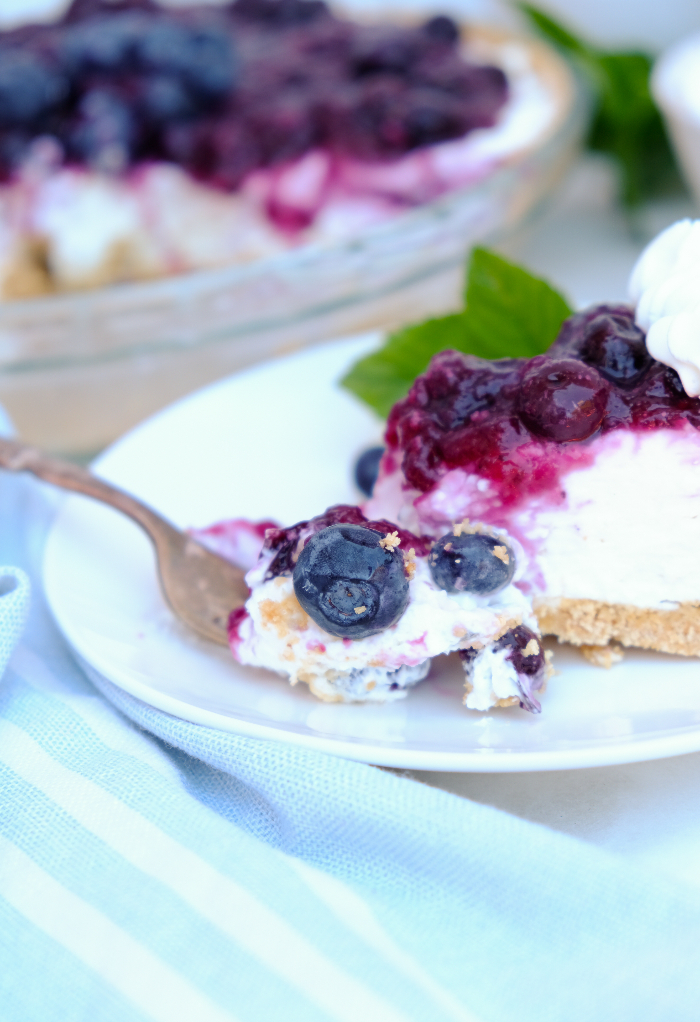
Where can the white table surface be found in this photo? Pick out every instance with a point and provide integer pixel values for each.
(647, 812)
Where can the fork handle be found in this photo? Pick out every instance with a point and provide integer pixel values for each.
(18, 457)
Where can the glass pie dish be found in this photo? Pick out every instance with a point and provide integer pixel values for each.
(78, 369)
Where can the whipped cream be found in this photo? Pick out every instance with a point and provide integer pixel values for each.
(665, 288)
(493, 679)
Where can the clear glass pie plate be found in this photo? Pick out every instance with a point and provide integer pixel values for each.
(78, 369)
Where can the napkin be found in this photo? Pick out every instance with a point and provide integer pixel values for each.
(14, 588)
(152, 869)
(14, 606)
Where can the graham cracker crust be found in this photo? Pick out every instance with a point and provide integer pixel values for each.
(593, 623)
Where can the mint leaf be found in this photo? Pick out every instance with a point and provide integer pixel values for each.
(555, 32)
(626, 122)
(384, 377)
(509, 313)
(629, 126)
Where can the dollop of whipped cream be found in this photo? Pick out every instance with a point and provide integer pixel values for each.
(665, 288)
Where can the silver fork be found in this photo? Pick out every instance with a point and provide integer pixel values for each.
(200, 587)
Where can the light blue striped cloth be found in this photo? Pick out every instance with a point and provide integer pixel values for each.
(151, 869)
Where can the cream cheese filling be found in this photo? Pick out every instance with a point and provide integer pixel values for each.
(279, 635)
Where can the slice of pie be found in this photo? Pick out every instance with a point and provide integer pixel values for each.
(588, 456)
(357, 609)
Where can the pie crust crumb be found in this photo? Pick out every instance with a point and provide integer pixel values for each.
(603, 656)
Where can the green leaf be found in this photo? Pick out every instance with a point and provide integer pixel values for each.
(509, 313)
(628, 125)
(384, 377)
(552, 30)
(626, 122)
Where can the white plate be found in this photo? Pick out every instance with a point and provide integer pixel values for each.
(279, 441)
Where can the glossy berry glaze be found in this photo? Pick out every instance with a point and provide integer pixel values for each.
(225, 90)
(520, 424)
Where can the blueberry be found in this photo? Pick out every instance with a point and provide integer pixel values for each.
(433, 117)
(348, 583)
(471, 563)
(280, 13)
(80, 10)
(367, 469)
(442, 29)
(562, 399)
(517, 640)
(385, 51)
(342, 601)
(105, 131)
(202, 56)
(165, 98)
(29, 86)
(616, 347)
(105, 44)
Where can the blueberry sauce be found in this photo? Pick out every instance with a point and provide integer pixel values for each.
(285, 545)
(522, 423)
(226, 90)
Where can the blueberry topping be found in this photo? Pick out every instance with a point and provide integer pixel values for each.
(165, 98)
(617, 348)
(281, 13)
(562, 399)
(517, 423)
(367, 469)
(29, 86)
(202, 57)
(471, 563)
(226, 89)
(103, 45)
(348, 583)
(104, 132)
(442, 29)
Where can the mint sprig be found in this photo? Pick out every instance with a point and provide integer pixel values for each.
(509, 313)
(626, 122)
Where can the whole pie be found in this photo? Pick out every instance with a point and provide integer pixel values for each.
(138, 140)
(588, 455)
